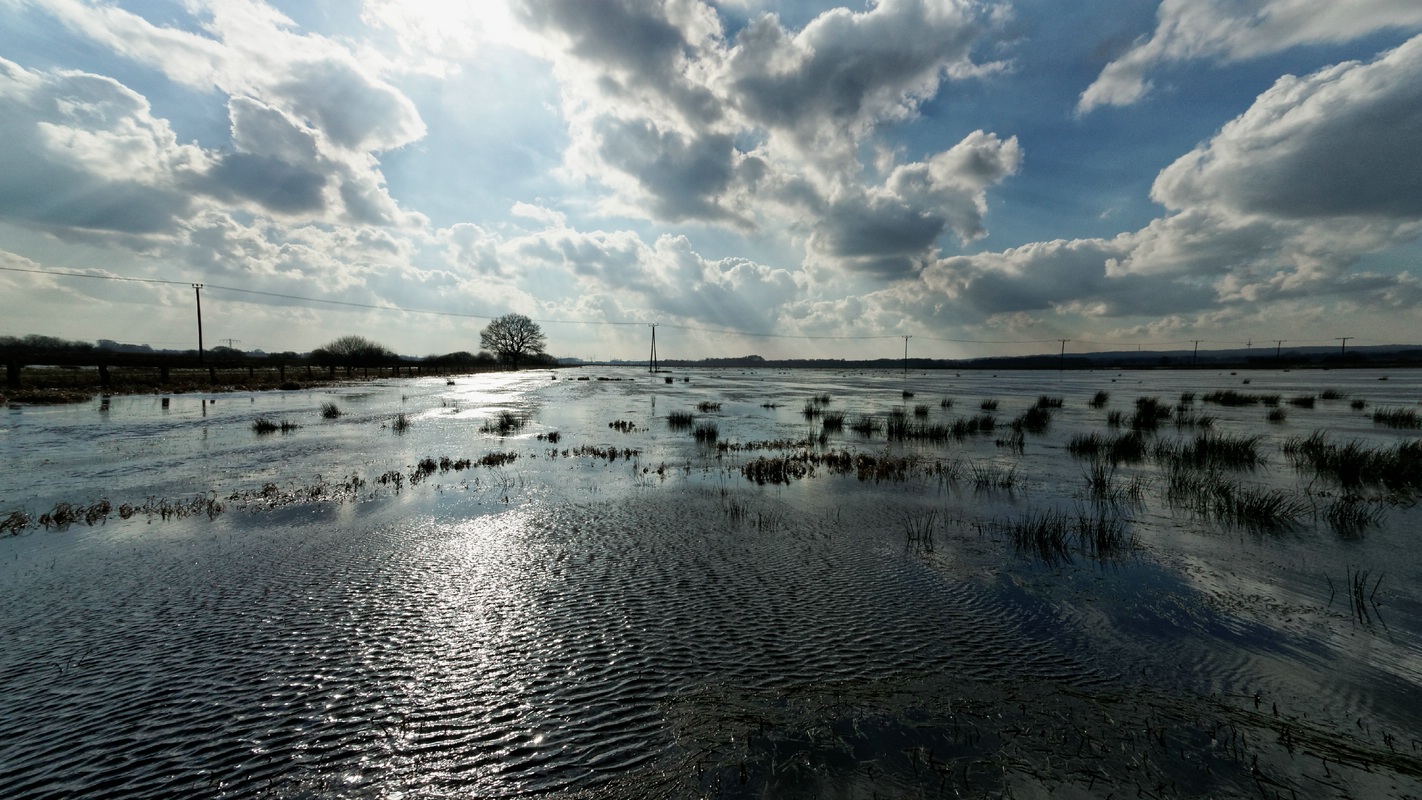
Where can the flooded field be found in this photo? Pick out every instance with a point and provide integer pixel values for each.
(605, 583)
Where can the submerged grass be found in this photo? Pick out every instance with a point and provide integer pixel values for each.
(1354, 465)
(1210, 452)
(1054, 536)
(1405, 418)
(330, 411)
(706, 432)
(503, 424)
(1099, 400)
(264, 425)
(1129, 448)
(1231, 502)
(681, 420)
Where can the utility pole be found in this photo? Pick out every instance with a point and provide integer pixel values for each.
(1278, 345)
(1061, 363)
(1194, 357)
(230, 342)
(1344, 348)
(906, 338)
(197, 291)
(652, 362)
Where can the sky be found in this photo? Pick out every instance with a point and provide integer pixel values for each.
(787, 179)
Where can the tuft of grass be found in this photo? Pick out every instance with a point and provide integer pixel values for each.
(1303, 401)
(1232, 502)
(1350, 515)
(865, 425)
(505, 423)
(1332, 394)
(811, 410)
(1186, 418)
(920, 410)
(1406, 418)
(1034, 420)
(330, 411)
(992, 476)
(832, 422)
(1150, 412)
(918, 530)
(822, 399)
(264, 425)
(681, 420)
(1187, 398)
(1210, 452)
(1114, 419)
(1048, 401)
(1229, 397)
(1358, 405)
(907, 394)
(988, 405)
(1277, 415)
(1127, 448)
(1354, 465)
(706, 432)
(1099, 400)
(706, 406)
(946, 402)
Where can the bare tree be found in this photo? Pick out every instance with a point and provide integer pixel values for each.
(513, 337)
(351, 352)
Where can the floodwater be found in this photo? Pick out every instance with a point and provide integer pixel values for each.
(622, 612)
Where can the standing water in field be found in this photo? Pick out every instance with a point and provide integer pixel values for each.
(738, 583)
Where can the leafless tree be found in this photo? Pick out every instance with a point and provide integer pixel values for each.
(513, 337)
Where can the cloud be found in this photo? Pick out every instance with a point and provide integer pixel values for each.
(1227, 30)
(684, 125)
(83, 151)
(1341, 142)
(307, 114)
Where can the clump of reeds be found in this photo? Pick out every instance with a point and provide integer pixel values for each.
(552, 437)
(1099, 400)
(496, 459)
(899, 429)
(706, 432)
(681, 420)
(989, 404)
(1210, 452)
(1114, 419)
(778, 470)
(770, 405)
(1358, 405)
(1354, 465)
(832, 421)
(1332, 394)
(1015, 441)
(964, 427)
(706, 406)
(1150, 412)
(1186, 418)
(1277, 415)
(992, 476)
(1102, 486)
(1048, 401)
(622, 426)
(822, 399)
(1052, 535)
(15, 523)
(918, 529)
(1187, 398)
(907, 394)
(1397, 417)
(1303, 401)
(1229, 397)
(1270, 400)
(920, 410)
(865, 425)
(401, 423)
(1126, 448)
(812, 410)
(264, 425)
(1350, 515)
(330, 411)
(1034, 420)
(946, 402)
(1232, 502)
(505, 423)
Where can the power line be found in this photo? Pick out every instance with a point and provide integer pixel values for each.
(680, 327)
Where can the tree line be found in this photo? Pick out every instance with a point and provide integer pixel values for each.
(510, 340)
